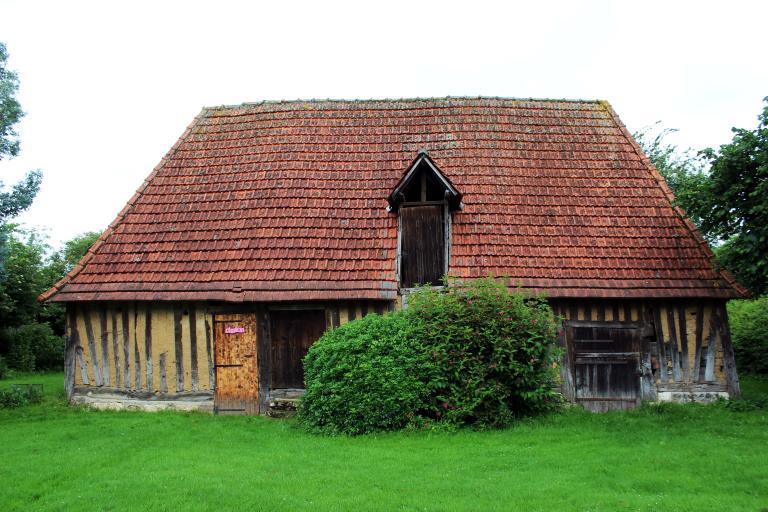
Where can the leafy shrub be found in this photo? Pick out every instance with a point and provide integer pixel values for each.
(34, 347)
(474, 355)
(19, 395)
(749, 331)
(367, 375)
(495, 352)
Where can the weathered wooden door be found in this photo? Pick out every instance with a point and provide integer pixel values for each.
(293, 332)
(237, 385)
(606, 359)
(422, 245)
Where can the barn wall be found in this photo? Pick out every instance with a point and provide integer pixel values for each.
(688, 352)
(146, 351)
(157, 355)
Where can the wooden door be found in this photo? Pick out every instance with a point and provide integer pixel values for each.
(293, 332)
(237, 385)
(606, 359)
(422, 245)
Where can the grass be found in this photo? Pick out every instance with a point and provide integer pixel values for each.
(669, 457)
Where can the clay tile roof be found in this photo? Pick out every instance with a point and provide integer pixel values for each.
(288, 201)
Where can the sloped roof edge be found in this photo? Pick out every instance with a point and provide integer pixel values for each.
(690, 226)
(48, 294)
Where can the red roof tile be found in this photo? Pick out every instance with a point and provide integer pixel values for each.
(287, 201)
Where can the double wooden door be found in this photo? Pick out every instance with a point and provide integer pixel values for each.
(606, 364)
(236, 360)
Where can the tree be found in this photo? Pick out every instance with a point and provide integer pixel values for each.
(734, 207)
(21, 195)
(683, 170)
(10, 110)
(57, 266)
(31, 332)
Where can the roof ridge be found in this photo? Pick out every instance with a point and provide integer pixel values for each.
(689, 225)
(120, 216)
(401, 100)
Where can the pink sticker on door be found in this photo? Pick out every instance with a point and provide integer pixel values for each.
(234, 330)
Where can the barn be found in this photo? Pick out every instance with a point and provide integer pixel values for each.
(268, 223)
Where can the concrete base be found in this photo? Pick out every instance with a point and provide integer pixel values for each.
(704, 397)
(115, 402)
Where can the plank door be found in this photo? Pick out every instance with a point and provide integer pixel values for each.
(237, 385)
(606, 360)
(422, 245)
(293, 332)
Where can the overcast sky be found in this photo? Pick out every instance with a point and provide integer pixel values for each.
(108, 87)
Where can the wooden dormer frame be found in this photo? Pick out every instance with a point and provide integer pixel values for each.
(450, 202)
(452, 195)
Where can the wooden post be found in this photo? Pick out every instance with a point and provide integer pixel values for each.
(179, 350)
(193, 346)
(264, 351)
(115, 346)
(729, 359)
(673, 342)
(683, 342)
(660, 342)
(126, 349)
(104, 342)
(208, 349)
(699, 336)
(73, 340)
(92, 346)
(148, 347)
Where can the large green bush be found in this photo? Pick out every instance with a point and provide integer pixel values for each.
(495, 352)
(462, 355)
(749, 331)
(365, 376)
(34, 347)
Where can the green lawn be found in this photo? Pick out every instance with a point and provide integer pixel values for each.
(55, 457)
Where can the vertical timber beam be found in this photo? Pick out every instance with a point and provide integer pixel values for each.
(660, 342)
(193, 346)
(264, 351)
(729, 360)
(148, 347)
(92, 346)
(104, 342)
(699, 337)
(178, 348)
(209, 352)
(70, 354)
(115, 345)
(126, 349)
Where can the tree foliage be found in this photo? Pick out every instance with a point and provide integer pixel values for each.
(10, 110)
(31, 332)
(735, 208)
(683, 170)
(749, 331)
(21, 195)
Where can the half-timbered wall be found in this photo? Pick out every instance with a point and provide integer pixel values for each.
(161, 354)
(687, 351)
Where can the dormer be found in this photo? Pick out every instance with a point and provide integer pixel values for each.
(424, 183)
(424, 200)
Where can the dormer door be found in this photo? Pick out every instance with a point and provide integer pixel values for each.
(422, 252)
